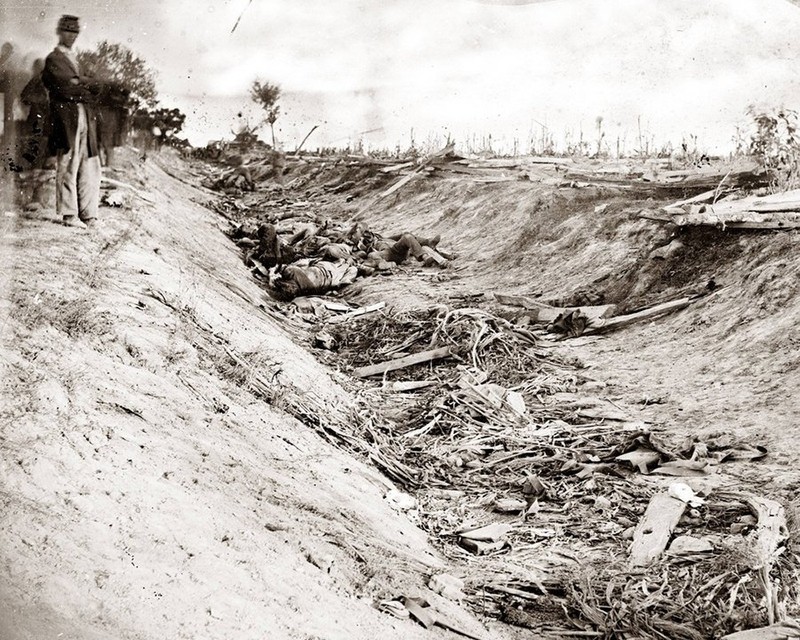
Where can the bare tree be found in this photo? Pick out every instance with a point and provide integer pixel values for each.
(267, 95)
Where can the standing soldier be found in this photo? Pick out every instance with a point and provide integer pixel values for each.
(73, 135)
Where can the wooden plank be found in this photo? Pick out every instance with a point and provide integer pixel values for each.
(774, 207)
(767, 224)
(740, 220)
(701, 197)
(446, 151)
(336, 306)
(649, 215)
(361, 311)
(424, 615)
(402, 363)
(397, 167)
(785, 630)
(492, 163)
(397, 185)
(788, 201)
(772, 532)
(546, 313)
(653, 533)
(546, 160)
(123, 185)
(617, 322)
(521, 301)
(411, 385)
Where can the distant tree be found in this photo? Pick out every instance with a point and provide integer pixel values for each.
(267, 95)
(162, 124)
(775, 142)
(115, 63)
(598, 122)
(167, 123)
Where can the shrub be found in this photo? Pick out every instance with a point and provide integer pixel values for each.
(776, 144)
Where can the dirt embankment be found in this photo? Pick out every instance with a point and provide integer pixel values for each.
(720, 366)
(162, 473)
(728, 363)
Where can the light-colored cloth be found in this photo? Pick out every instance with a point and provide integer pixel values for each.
(78, 176)
(322, 276)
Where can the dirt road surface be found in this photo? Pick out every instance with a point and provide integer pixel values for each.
(150, 489)
(146, 493)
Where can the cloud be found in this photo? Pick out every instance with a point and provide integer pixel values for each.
(463, 64)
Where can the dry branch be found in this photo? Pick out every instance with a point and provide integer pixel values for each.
(655, 529)
(402, 363)
(618, 322)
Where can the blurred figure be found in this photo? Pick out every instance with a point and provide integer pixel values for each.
(112, 119)
(37, 124)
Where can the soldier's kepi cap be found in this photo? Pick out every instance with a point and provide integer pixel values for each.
(69, 23)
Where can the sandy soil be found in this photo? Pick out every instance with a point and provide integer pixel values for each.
(151, 490)
(147, 490)
(728, 363)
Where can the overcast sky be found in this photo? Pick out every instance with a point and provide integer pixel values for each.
(466, 67)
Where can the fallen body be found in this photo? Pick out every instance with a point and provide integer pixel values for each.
(313, 278)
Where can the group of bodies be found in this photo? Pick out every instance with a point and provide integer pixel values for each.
(309, 258)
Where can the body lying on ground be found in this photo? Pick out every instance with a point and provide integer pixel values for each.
(313, 278)
(398, 248)
(271, 251)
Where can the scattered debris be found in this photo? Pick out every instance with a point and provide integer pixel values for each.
(575, 321)
(401, 363)
(427, 616)
(362, 311)
(655, 529)
(618, 322)
(447, 586)
(776, 211)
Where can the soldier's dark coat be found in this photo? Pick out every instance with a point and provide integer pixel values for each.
(67, 89)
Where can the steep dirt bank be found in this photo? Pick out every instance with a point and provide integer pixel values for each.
(728, 363)
(153, 481)
(720, 366)
(163, 472)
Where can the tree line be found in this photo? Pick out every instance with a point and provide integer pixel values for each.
(134, 83)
